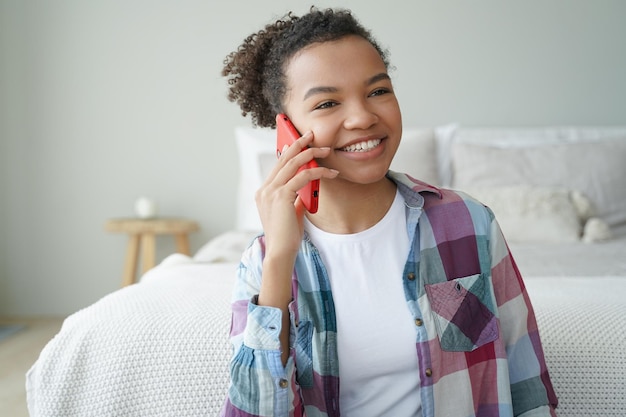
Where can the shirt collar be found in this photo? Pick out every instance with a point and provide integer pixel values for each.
(411, 188)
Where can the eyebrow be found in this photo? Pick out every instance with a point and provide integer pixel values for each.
(324, 89)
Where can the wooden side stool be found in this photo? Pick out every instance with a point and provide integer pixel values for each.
(142, 232)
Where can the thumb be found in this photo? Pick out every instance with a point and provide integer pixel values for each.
(300, 208)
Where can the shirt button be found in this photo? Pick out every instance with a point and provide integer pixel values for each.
(410, 276)
(419, 322)
(283, 383)
(428, 372)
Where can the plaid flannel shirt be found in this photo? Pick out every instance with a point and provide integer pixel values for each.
(477, 341)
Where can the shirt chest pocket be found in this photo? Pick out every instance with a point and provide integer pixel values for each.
(464, 312)
(304, 354)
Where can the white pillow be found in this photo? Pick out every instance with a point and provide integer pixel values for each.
(445, 136)
(502, 137)
(416, 156)
(227, 247)
(597, 169)
(257, 154)
(532, 214)
(513, 138)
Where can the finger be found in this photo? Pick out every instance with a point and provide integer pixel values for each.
(307, 155)
(302, 143)
(289, 152)
(307, 175)
(300, 208)
(288, 166)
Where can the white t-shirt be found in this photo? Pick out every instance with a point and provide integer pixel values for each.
(376, 337)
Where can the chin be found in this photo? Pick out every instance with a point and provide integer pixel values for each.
(365, 176)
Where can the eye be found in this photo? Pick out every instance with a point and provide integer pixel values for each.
(379, 92)
(326, 105)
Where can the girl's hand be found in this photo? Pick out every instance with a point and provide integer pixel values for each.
(282, 214)
(280, 209)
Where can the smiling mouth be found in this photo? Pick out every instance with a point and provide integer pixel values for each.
(364, 146)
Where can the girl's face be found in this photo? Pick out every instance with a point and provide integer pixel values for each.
(341, 92)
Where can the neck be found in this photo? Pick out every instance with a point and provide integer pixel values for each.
(346, 207)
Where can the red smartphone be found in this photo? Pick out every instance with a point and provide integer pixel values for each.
(287, 134)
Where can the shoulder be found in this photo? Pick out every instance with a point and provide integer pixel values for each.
(457, 209)
(440, 202)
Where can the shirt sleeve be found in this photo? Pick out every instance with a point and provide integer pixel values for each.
(531, 389)
(260, 384)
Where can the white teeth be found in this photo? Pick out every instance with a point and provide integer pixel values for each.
(363, 146)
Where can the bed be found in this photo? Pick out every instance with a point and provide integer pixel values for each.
(160, 347)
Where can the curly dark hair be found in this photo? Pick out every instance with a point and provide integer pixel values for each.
(255, 71)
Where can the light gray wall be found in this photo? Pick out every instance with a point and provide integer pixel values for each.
(104, 101)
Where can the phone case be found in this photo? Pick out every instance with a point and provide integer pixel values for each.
(287, 134)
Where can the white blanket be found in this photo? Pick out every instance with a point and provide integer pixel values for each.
(160, 347)
(157, 348)
(602, 259)
(582, 322)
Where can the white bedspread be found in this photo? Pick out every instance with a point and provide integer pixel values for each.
(160, 347)
(582, 322)
(571, 259)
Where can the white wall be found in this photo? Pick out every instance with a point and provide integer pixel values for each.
(104, 101)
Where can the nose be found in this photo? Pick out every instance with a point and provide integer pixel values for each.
(359, 116)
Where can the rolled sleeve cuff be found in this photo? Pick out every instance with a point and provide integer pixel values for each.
(263, 327)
